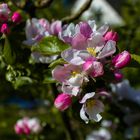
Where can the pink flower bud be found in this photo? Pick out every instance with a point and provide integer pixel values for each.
(118, 75)
(111, 36)
(16, 17)
(85, 29)
(121, 60)
(63, 101)
(5, 29)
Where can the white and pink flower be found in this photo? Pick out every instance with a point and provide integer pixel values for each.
(27, 126)
(91, 108)
(4, 12)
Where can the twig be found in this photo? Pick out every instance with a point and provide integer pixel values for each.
(17, 5)
(44, 4)
(76, 15)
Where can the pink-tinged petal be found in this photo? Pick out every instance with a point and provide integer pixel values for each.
(44, 23)
(34, 125)
(97, 69)
(18, 129)
(86, 97)
(56, 27)
(87, 65)
(63, 101)
(72, 90)
(103, 92)
(79, 42)
(60, 73)
(72, 56)
(121, 60)
(111, 36)
(85, 29)
(103, 29)
(67, 39)
(93, 108)
(26, 129)
(96, 40)
(108, 50)
(83, 115)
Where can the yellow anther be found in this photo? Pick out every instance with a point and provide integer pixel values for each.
(91, 51)
(74, 73)
(90, 103)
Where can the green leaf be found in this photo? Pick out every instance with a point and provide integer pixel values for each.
(48, 80)
(57, 62)
(48, 77)
(135, 61)
(8, 53)
(22, 81)
(50, 45)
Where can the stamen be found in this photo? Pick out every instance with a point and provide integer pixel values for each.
(91, 51)
(74, 73)
(90, 103)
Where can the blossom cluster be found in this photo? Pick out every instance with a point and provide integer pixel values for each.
(27, 126)
(35, 30)
(92, 56)
(6, 17)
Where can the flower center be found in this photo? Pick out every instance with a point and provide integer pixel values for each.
(91, 51)
(90, 103)
(74, 73)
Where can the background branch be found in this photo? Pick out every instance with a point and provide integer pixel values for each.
(43, 4)
(76, 15)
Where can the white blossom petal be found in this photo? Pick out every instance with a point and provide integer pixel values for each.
(103, 29)
(108, 50)
(83, 115)
(73, 90)
(87, 96)
(72, 56)
(76, 80)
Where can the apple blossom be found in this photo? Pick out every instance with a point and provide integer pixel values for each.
(92, 107)
(27, 126)
(4, 12)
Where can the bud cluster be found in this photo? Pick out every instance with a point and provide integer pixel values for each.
(6, 17)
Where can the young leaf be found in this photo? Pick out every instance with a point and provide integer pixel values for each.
(135, 61)
(57, 62)
(8, 53)
(22, 81)
(50, 45)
